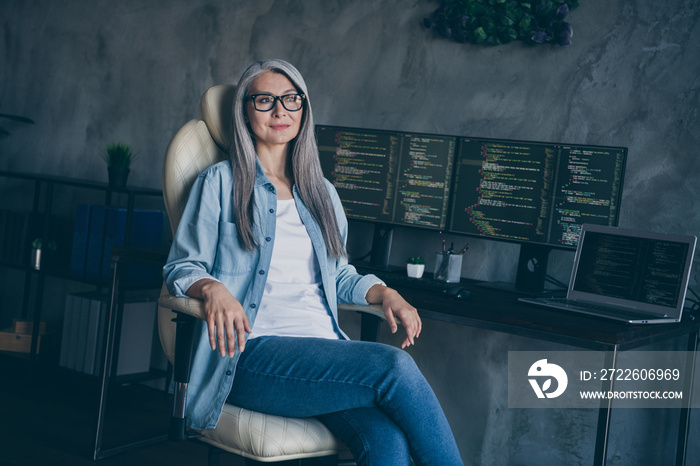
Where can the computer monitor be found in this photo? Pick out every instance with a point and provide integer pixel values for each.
(537, 194)
(389, 178)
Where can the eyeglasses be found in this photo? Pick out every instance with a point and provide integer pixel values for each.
(266, 102)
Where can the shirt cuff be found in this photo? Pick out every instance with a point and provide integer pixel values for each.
(182, 284)
(362, 288)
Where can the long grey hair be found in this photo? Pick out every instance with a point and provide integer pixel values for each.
(306, 167)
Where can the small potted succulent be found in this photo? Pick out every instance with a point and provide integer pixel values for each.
(37, 246)
(415, 267)
(118, 157)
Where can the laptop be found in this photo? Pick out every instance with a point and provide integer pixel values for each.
(633, 276)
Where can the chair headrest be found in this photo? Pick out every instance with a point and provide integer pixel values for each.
(215, 110)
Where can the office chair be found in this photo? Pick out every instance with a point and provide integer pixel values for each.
(254, 436)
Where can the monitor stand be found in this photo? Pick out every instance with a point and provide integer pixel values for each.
(381, 247)
(531, 273)
(381, 250)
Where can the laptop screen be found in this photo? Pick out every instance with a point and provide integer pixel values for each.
(633, 266)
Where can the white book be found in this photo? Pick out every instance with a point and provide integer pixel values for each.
(81, 337)
(85, 323)
(68, 313)
(93, 324)
(100, 343)
(73, 336)
(135, 342)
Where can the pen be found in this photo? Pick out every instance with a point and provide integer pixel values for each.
(464, 249)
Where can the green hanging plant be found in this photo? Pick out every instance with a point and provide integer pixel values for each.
(493, 22)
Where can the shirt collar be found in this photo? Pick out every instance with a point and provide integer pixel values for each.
(261, 178)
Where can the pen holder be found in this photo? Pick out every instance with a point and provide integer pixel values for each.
(448, 267)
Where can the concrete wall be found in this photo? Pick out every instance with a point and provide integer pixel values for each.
(92, 72)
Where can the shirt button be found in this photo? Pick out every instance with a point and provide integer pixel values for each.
(268, 239)
(262, 272)
(252, 305)
(228, 372)
(272, 211)
(272, 189)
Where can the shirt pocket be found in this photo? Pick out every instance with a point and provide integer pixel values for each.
(231, 257)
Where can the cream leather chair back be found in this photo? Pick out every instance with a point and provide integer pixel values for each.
(196, 146)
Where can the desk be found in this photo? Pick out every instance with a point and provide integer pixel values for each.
(500, 311)
(488, 309)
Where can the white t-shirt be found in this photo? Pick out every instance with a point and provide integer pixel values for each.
(293, 303)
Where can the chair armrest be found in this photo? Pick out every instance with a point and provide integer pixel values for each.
(189, 306)
(193, 307)
(372, 316)
(372, 309)
(373, 312)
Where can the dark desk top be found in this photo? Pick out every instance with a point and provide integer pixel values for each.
(500, 311)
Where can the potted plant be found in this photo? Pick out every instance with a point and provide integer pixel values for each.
(118, 157)
(37, 245)
(415, 267)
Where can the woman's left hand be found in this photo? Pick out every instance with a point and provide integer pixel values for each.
(394, 307)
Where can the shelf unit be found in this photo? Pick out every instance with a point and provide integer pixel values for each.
(43, 188)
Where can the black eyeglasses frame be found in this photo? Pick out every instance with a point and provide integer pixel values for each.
(275, 99)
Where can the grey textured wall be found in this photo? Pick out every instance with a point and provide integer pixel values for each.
(94, 71)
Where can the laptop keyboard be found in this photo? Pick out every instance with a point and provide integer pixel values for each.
(604, 309)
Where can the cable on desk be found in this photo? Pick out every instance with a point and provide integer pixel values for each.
(695, 308)
(362, 257)
(556, 282)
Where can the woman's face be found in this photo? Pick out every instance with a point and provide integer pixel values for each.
(277, 126)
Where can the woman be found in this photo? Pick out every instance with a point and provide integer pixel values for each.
(261, 242)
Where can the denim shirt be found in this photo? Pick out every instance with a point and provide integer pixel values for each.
(206, 245)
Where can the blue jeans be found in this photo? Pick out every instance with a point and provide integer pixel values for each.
(372, 396)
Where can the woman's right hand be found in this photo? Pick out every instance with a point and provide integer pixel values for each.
(224, 315)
